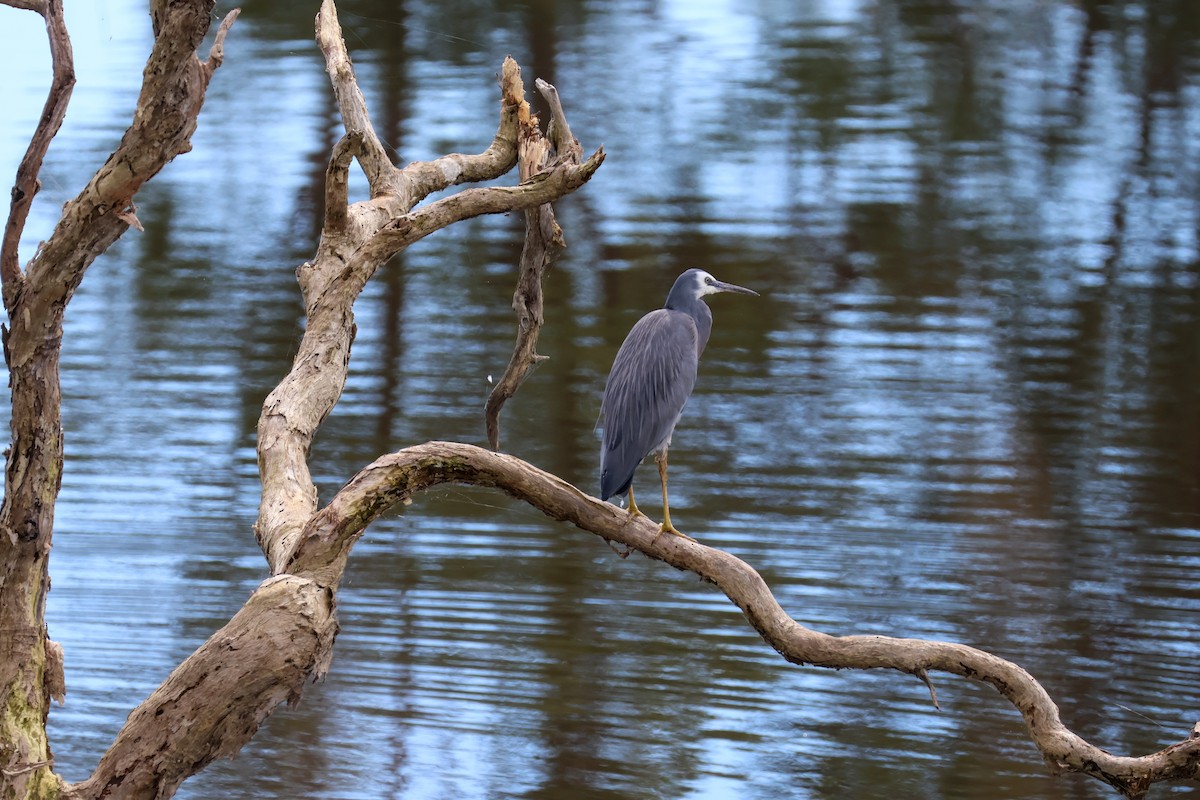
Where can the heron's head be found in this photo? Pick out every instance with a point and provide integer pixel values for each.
(696, 283)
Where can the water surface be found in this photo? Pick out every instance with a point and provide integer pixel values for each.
(965, 407)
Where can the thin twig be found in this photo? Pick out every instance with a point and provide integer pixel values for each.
(924, 676)
(54, 111)
(216, 53)
(559, 132)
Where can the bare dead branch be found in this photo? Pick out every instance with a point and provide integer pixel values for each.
(28, 5)
(418, 180)
(543, 242)
(423, 178)
(173, 89)
(409, 228)
(353, 106)
(30, 663)
(290, 417)
(352, 248)
(170, 101)
(360, 264)
(295, 409)
(355, 246)
(281, 638)
(559, 132)
(26, 186)
(543, 239)
(216, 53)
(168, 107)
(396, 478)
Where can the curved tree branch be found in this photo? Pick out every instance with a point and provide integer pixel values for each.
(410, 228)
(422, 178)
(415, 182)
(215, 700)
(27, 184)
(168, 107)
(395, 478)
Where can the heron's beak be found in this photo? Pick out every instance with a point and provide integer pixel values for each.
(722, 286)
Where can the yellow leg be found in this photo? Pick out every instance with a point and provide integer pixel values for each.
(633, 509)
(666, 527)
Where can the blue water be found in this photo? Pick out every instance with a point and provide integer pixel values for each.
(964, 408)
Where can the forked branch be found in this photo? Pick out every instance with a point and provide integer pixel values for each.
(543, 240)
(357, 240)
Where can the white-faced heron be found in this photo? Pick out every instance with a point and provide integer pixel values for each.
(652, 378)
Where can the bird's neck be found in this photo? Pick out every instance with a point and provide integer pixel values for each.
(698, 311)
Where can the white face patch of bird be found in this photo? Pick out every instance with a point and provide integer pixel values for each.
(706, 284)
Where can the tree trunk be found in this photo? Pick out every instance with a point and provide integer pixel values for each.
(35, 300)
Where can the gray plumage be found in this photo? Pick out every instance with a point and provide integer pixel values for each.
(652, 378)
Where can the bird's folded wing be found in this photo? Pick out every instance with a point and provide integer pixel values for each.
(652, 377)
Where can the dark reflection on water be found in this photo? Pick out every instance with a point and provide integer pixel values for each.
(965, 408)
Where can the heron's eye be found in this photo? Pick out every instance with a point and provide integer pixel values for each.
(708, 281)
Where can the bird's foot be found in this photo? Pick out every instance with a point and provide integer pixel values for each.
(634, 511)
(667, 527)
(633, 514)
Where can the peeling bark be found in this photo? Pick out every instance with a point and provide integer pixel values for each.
(214, 702)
